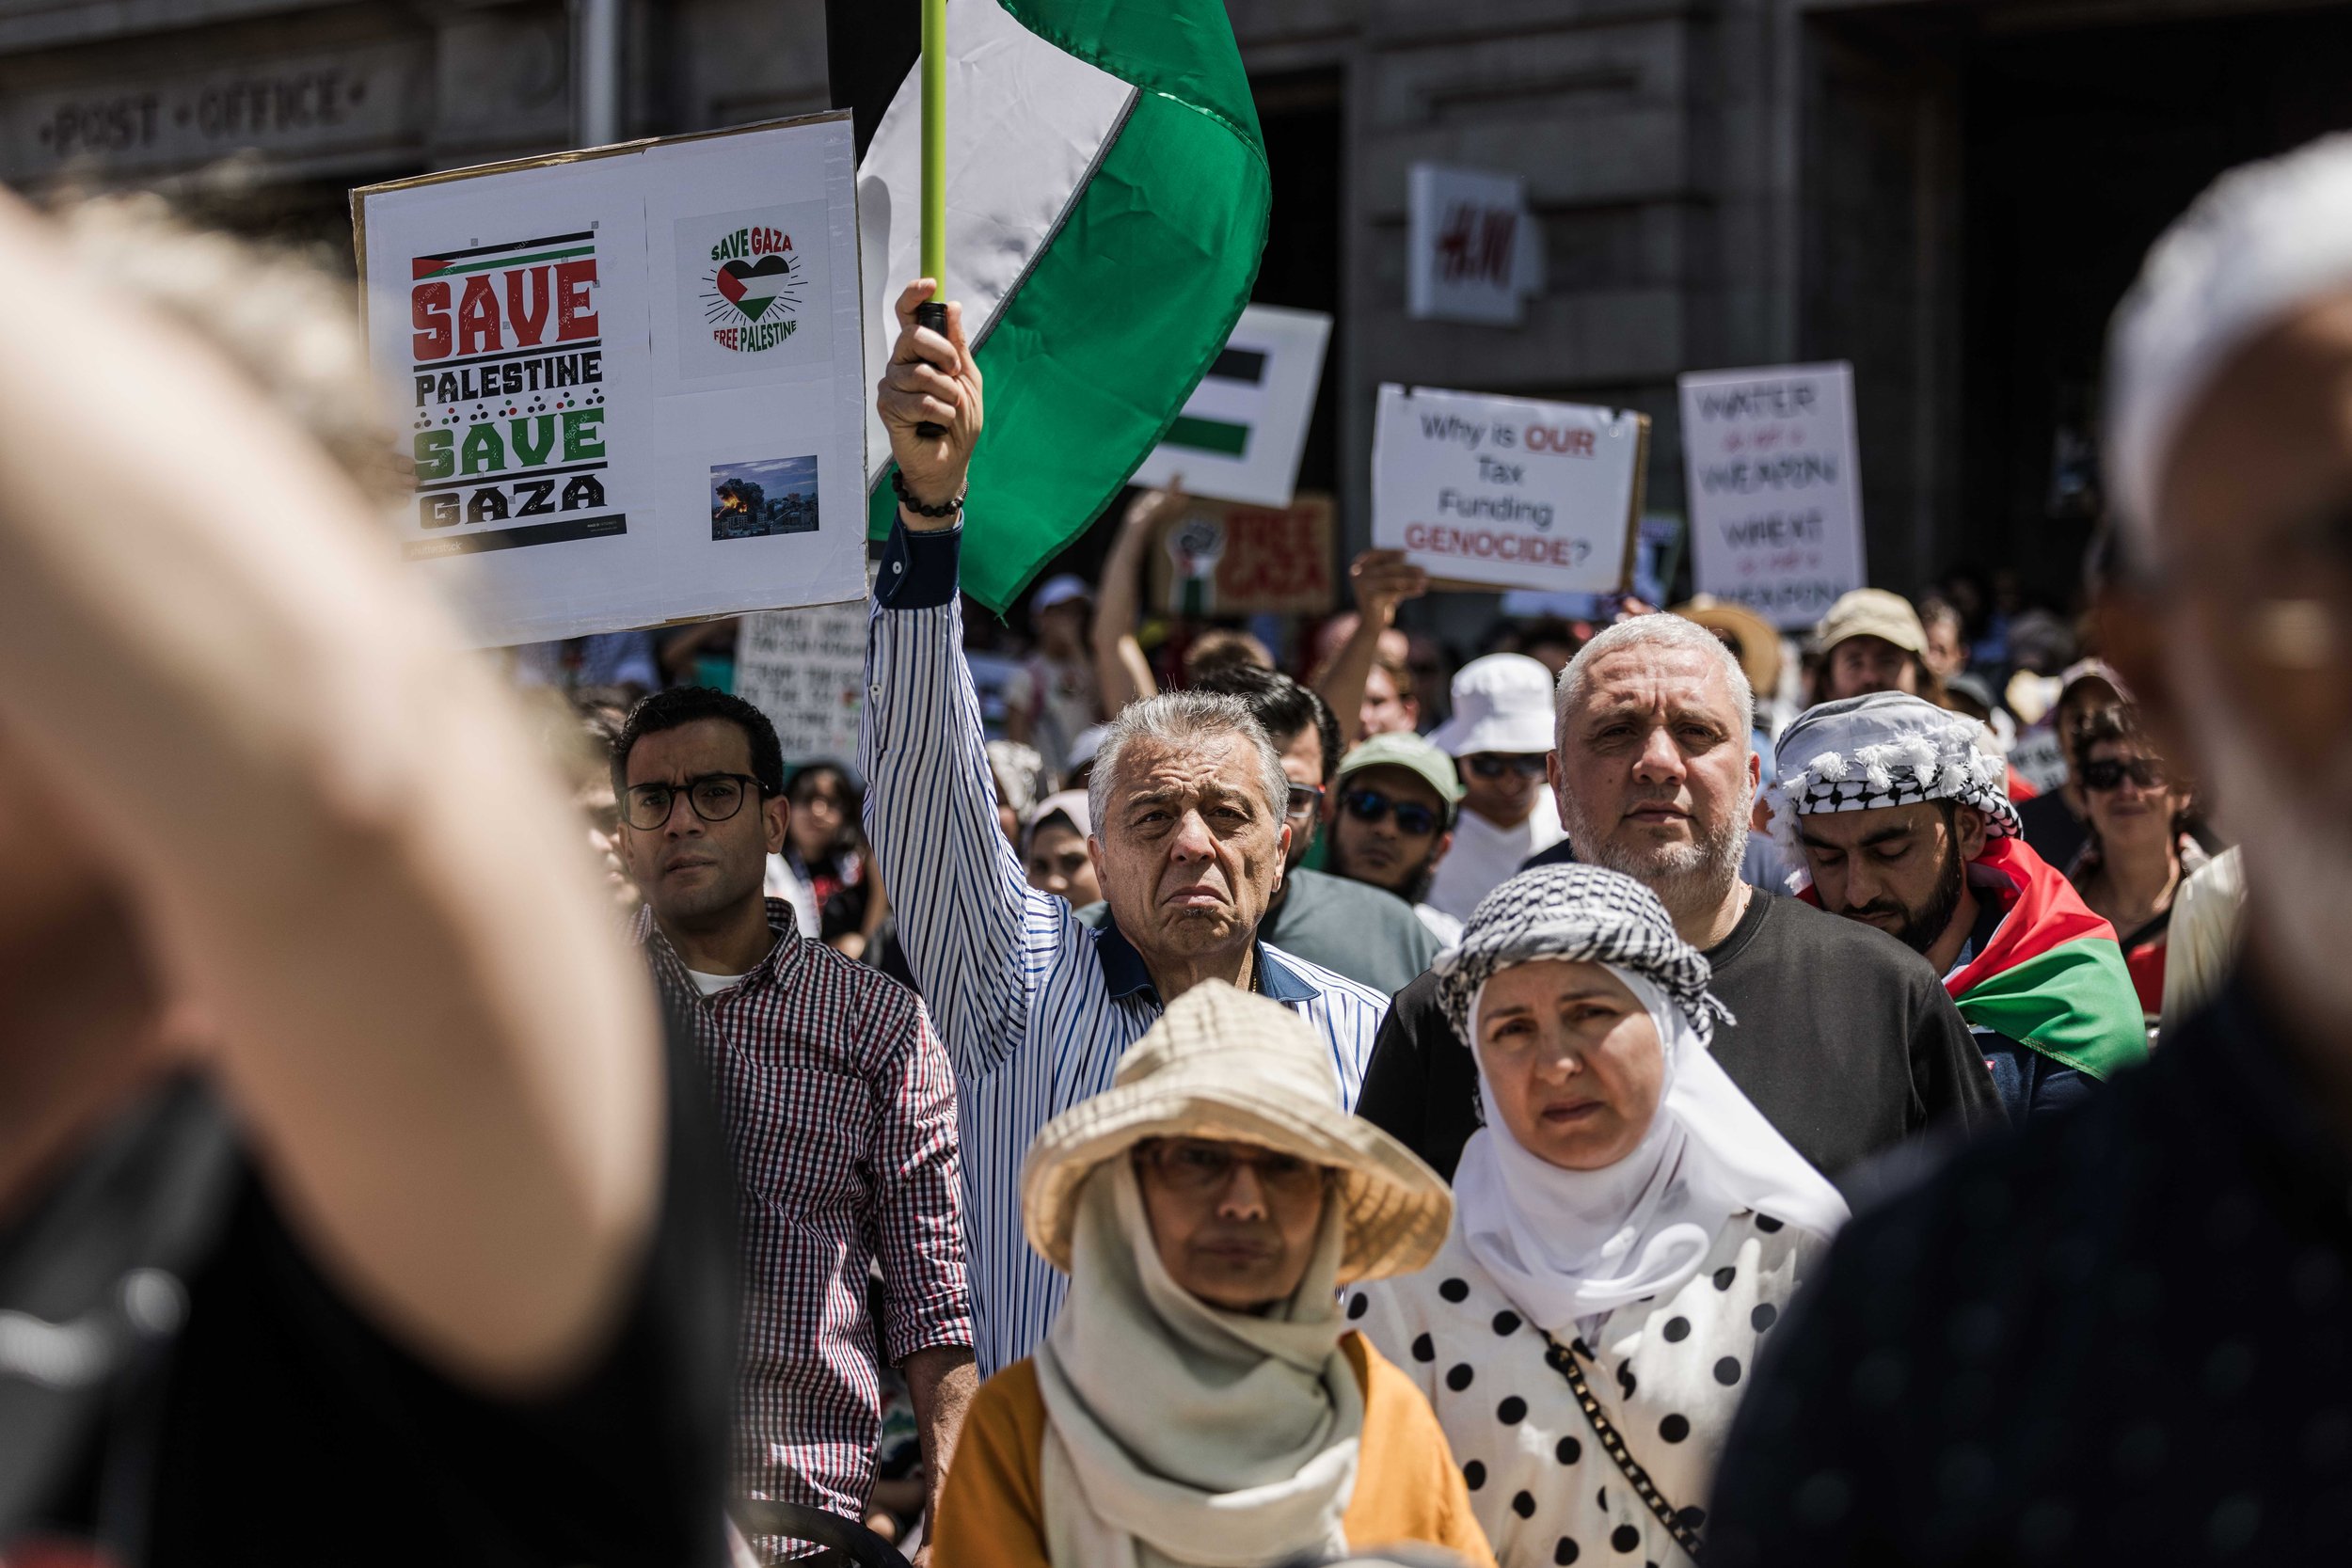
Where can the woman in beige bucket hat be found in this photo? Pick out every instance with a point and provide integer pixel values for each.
(1198, 1401)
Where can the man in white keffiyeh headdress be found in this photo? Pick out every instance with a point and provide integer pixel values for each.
(1900, 813)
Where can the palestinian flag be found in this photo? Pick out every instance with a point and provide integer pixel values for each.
(2053, 976)
(1106, 207)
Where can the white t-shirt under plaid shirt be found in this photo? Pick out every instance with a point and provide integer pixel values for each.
(838, 1106)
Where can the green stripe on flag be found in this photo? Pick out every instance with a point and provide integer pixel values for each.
(1217, 435)
(2074, 1004)
(513, 261)
(1128, 305)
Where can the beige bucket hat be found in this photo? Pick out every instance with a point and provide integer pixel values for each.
(1224, 1064)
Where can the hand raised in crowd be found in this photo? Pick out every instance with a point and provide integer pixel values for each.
(932, 380)
(1151, 507)
(1382, 581)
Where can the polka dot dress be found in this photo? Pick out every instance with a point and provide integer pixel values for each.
(1668, 1375)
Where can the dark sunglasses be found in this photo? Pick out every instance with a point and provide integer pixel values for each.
(2109, 773)
(1370, 805)
(1493, 765)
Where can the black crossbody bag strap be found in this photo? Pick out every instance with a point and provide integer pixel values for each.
(1612, 1443)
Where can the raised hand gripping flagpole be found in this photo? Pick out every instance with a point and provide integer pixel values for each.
(932, 312)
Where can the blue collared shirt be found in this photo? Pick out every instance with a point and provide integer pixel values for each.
(1036, 1008)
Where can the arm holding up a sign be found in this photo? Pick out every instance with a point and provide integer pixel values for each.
(1122, 671)
(1384, 579)
(237, 732)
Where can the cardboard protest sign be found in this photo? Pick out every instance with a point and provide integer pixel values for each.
(1219, 558)
(632, 378)
(805, 670)
(1507, 491)
(1775, 493)
(1243, 428)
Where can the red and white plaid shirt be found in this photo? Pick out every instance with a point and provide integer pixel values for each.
(839, 1106)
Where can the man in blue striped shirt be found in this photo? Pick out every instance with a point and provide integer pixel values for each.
(1187, 797)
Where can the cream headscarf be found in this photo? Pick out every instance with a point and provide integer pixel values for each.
(1179, 1433)
(1563, 1245)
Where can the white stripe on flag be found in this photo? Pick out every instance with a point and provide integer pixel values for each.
(1026, 123)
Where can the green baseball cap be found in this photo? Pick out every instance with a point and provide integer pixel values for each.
(1412, 753)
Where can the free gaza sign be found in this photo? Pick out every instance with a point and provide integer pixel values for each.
(1507, 491)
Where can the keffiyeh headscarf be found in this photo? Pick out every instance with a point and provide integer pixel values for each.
(1887, 748)
(1565, 1244)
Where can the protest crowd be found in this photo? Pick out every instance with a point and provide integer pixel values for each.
(1641, 1087)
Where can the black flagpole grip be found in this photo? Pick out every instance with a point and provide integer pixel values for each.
(933, 314)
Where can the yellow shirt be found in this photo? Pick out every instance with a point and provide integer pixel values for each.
(992, 1515)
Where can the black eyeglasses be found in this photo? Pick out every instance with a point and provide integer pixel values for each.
(1305, 800)
(2109, 772)
(1493, 765)
(1370, 805)
(715, 797)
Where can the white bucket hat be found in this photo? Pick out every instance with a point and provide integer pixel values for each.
(1226, 1064)
(1502, 702)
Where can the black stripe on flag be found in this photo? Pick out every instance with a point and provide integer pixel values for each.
(1240, 364)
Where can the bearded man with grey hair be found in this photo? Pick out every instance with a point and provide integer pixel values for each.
(1843, 1037)
(1188, 801)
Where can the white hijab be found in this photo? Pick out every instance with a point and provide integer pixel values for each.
(1565, 1244)
(1179, 1433)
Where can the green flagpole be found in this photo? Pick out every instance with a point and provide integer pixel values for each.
(932, 312)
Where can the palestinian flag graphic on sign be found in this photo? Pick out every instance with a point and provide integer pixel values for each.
(1106, 207)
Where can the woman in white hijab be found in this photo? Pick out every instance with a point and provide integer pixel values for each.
(1627, 1229)
(1200, 1400)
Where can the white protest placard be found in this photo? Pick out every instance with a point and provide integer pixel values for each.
(1242, 430)
(632, 378)
(1475, 254)
(1507, 491)
(1775, 492)
(805, 670)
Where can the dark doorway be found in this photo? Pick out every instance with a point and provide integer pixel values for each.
(1300, 116)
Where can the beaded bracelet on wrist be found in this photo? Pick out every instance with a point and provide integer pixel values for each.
(906, 499)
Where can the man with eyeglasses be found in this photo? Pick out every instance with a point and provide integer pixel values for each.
(1324, 919)
(1500, 735)
(837, 1102)
(1397, 795)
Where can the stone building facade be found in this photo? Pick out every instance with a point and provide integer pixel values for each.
(1951, 193)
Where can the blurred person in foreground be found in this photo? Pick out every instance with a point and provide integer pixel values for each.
(1653, 777)
(2141, 850)
(1326, 919)
(1199, 1399)
(1188, 801)
(337, 1142)
(837, 1101)
(1627, 1227)
(1397, 796)
(2120, 1336)
(1499, 737)
(1897, 811)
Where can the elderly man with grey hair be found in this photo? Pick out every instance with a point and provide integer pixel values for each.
(1843, 1038)
(1190, 836)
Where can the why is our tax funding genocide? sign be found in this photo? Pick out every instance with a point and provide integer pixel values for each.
(633, 380)
(1507, 491)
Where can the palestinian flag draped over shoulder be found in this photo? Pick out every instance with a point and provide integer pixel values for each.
(1106, 208)
(2053, 975)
